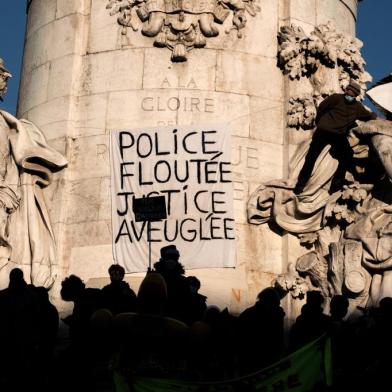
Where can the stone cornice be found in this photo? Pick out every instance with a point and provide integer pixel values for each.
(352, 5)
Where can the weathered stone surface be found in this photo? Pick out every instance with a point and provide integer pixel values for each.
(337, 11)
(89, 262)
(267, 120)
(141, 107)
(198, 73)
(36, 86)
(263, 26)
(65, 8)
(256, 160)
(62, 83)
(41, 12)
(248, 74)
(212, 107)
(304, 10)
(52, 111)
(91, 114)
(94, 164)
(56, 131)
(261, 249)
(88, 234)
(113, 71)
(63, 36)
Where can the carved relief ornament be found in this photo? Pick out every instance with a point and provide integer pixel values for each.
(182, 25)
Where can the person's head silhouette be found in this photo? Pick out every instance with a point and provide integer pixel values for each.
(16, 278)
(116, 273)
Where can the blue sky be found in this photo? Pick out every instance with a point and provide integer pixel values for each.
(374, 28)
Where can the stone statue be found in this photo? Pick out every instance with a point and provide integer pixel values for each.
(346, 227)
(349, 229)
(26, 167)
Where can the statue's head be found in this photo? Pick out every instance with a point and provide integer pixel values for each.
(4, 76)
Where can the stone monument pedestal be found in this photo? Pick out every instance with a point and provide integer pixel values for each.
(84, 74)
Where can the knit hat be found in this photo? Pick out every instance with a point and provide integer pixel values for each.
(354, 87)
(168, 251)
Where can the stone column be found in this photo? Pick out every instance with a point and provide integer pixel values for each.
(84, 74)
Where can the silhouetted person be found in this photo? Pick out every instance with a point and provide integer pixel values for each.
(178, 292)
(341, 335)
(311, 323)
(86, 302)
(197, 302)
(48, 325)
(117, 296)
(151, 344)
(261, 331)
(152, 295)
(381, 345)
(48, 320)
(78, 359)
(19, 332)
(338, 311)
(221, 357)
(336, 116)
(338, 308)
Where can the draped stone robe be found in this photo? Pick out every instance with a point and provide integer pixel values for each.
(27, 164)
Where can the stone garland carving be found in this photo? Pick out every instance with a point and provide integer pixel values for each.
(292, 283)
(182, 25)
(327, 58)
(301, 111)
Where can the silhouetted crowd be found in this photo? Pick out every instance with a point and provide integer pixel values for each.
(168, 331)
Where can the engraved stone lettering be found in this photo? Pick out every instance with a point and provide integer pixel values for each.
(252, 159)
(176, 104)
(239, 190)
(102, 151)
(179, 83)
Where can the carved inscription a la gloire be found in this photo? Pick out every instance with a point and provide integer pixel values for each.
(186, 103)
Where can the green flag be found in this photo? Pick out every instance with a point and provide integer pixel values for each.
(305, 369)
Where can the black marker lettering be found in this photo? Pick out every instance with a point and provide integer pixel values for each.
(124, 173)
(126, 194)
(131, 140)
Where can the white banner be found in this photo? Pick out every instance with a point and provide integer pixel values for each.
(190, 166)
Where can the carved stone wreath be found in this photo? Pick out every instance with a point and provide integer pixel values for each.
(182, 25)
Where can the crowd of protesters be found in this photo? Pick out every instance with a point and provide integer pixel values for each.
(167, 330)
